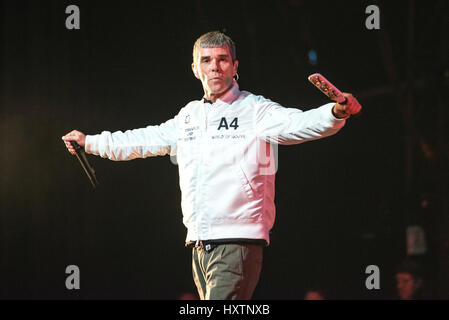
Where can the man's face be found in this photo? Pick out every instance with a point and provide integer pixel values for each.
(313, 295)
(214, 67)
(406, 285)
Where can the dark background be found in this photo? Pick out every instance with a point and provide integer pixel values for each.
(343, 202)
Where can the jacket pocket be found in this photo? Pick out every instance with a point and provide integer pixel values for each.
(245, 183)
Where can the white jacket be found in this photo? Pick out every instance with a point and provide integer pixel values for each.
(226, 159)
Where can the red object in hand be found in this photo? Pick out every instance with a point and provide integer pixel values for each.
(351, 105)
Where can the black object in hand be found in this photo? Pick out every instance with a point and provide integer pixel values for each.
(81, 155)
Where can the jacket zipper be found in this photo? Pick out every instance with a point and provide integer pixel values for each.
(203, 136)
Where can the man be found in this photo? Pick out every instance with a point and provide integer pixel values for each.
(409, 281)
(223, 144)
(314, 294)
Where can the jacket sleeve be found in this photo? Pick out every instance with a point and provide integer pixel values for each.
(151, 141)
(279, 125)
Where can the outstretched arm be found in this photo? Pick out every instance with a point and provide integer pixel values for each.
(280, 125)
(120, 146)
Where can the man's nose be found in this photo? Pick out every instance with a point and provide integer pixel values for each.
(215, 65)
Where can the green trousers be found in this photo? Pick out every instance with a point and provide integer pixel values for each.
(228, 271)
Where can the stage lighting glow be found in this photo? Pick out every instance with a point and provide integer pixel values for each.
(313, 57)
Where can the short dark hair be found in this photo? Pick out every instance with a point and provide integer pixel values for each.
(214, 39)
(410, 266)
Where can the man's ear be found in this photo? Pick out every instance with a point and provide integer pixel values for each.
(195, 72)
(236, 66)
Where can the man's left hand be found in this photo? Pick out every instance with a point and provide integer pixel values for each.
(352, 106)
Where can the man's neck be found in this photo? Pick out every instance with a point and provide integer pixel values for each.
(214, 96)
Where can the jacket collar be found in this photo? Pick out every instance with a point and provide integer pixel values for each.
(230, 96)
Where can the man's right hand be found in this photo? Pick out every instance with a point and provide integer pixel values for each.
(76, 136)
